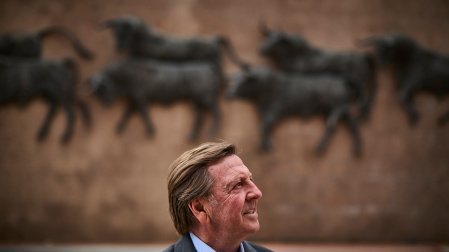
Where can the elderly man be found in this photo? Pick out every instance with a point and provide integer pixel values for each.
(213, 200)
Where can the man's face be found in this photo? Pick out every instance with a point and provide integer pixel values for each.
(232, 207)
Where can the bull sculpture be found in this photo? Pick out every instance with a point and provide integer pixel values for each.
(292, 53)
(25, 44)
(53, 80)
(143, 82)
(278, 95)
(134, 37)
(416, 68)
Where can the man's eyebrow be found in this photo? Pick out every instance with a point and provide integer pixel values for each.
(229, 184)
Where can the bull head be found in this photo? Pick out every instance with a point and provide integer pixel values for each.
(242, 83)
(101, 85)
(94, 82)
(382, 45)
(126, 30)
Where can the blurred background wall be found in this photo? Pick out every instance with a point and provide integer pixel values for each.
(107, 188)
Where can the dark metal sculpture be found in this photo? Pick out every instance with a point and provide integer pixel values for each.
(277, 95)
(136, 38)
(28, 45)
(291, 52)
(416, 68)
(53, 80)
(144, 81)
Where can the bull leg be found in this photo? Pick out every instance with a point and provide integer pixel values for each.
(84, 113)
(141, 106)
(197, 122)
(216, 117)
(331, 122)
(359, 85)
(370, 87)
(266, 128)
(43, 131)
(352, 124)
(408, 81)
(407, 99)
(70, 121)
(122, 123)
(364, 103)
(443, 119)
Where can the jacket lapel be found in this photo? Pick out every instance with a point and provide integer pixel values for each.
(247, 247)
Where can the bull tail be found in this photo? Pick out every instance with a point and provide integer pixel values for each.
(74, 72)
(76, 43)
(224, 42)
(372, 87)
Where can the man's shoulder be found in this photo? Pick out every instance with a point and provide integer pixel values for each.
(251, 247)
(170, 249)
(184, 244)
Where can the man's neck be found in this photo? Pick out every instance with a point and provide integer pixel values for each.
(217, 241)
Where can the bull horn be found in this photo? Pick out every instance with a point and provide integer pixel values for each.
(106, 24)
(263, 29)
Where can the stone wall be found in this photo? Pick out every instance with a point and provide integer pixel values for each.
(107, 188)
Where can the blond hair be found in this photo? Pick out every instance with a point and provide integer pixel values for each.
(188, 179)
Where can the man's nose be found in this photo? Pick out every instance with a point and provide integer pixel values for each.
(254, 192)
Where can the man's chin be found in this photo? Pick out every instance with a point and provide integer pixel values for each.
(253, 227)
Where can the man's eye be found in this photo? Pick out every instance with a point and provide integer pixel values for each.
(238, 184)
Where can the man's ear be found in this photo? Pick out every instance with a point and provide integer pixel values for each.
(197, 208)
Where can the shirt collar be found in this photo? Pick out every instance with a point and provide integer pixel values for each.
(200, 246)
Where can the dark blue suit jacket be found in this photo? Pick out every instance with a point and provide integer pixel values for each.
(185, 244)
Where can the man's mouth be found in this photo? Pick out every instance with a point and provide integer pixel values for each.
(250, 211)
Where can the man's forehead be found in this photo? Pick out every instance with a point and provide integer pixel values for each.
(229, 168)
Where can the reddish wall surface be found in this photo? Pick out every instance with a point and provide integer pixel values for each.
(107, 188)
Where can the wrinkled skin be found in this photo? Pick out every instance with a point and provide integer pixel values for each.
(230, 211)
